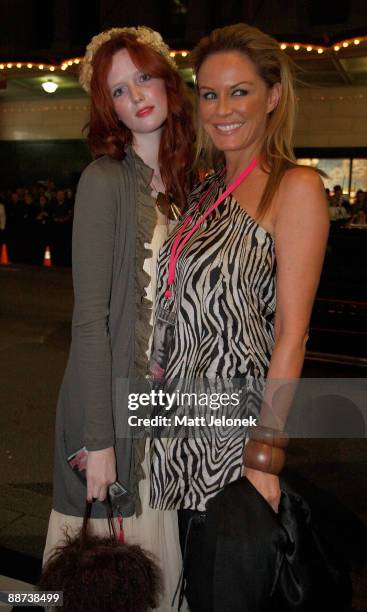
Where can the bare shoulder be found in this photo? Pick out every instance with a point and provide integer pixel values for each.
(301, 193)
(301, 179)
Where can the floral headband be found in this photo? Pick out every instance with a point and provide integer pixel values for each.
(143, 35)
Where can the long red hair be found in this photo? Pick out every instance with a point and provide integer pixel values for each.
(108, 136)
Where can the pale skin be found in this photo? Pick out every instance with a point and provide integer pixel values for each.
(132, 91)
(235, 103)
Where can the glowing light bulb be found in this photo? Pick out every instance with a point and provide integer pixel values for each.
(19, 65)
(29, 65)
(336, 48)
(9, 65)
(309, 48)
(345, 44)
(172, 54)
(283, 46)
(319, 51)
(49, 86)
(52, 68)
(184, 53)
(356, 42)
(296, 47)
(40, 67)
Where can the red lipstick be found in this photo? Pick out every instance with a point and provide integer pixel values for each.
(143, 112)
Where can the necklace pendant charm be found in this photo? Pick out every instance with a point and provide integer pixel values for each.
(167, 207)
(175, 212)
(163, 337)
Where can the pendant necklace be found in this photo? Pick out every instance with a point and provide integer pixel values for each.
(166, 205)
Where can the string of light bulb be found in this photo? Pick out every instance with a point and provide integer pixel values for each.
(41, 66)
(183, 53)
(337, 46)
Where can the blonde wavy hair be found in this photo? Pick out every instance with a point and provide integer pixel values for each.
(273, 66)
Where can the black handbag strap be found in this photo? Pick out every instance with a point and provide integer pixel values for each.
(87, 516)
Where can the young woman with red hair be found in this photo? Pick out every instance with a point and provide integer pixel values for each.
(141, 133)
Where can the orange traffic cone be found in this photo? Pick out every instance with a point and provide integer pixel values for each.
(47, 258)
(4, 255)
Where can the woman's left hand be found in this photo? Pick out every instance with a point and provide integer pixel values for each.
(267, 484)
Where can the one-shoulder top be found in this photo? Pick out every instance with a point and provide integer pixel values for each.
(224, 296)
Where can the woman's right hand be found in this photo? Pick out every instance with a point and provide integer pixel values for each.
(101, 472)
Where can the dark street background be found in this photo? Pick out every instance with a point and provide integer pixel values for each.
(36, 306)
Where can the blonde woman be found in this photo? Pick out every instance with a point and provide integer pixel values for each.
(238, 277)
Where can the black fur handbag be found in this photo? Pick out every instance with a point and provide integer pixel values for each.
(102, 574)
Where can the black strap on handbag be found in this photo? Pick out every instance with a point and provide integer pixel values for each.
(87, 516)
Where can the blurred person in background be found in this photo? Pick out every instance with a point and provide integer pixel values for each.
(60, 244)
(28, 229)
(42, 228)
(15, 214)
(2, 222)
(360, 201)
(339, 199)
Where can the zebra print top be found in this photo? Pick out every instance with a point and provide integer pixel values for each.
(224, 294)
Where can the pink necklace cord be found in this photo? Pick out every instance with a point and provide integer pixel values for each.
(178, 245)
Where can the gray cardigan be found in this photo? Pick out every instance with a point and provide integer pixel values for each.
(114, 218)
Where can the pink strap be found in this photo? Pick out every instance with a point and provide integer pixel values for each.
(176, 242)
(121, 532)
(178, 246)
